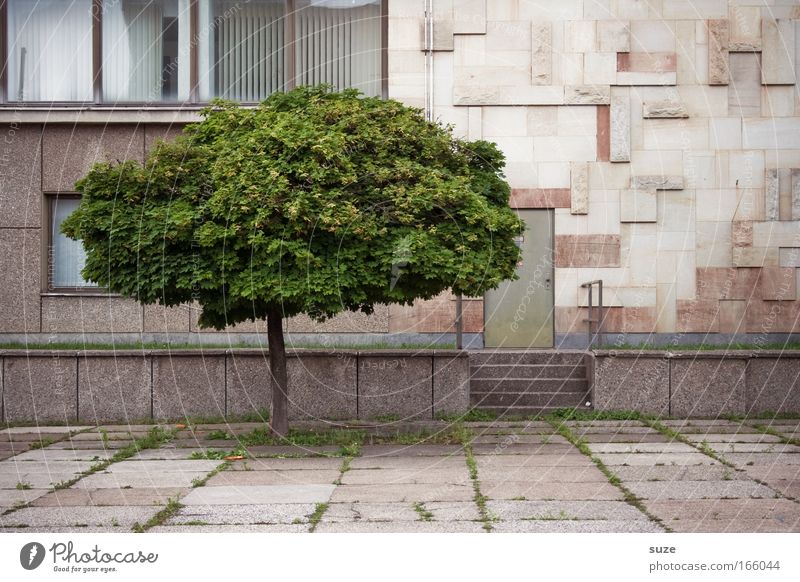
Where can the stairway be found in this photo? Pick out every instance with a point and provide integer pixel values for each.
(522, 383)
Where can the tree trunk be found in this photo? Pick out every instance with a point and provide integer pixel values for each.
(279, 412)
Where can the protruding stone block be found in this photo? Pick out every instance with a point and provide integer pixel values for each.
(745, 28)
(541, 53)
(742, 233)
(754, 256)
(443, 26)
(647, 62)
(697, 316)
(579, 185)
(587, 95)
(718, 39)
(620, 126)
(470, 17)
(789, 257)
(638, 206)
(795, 194)
(508, 95)
(663, 109)
(40, 386)
(777, 56)
(113, 386)
(614, 36)
(771, 195)
(587, 250)
(540, 198)
(657, 182)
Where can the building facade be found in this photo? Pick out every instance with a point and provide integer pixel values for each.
(651, 144)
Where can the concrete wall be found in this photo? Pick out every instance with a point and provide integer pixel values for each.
(102, 386)
(697, 384)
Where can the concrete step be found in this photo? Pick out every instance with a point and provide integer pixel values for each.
(514, 400)
(524, 411)
(527, 371)
(528, 357)
(528, 385)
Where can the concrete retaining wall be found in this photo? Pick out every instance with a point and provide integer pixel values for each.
(102, 386)
(697, 383)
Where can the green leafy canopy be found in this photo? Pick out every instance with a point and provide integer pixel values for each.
(314, 201)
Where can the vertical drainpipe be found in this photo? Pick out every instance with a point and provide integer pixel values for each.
(429, 116)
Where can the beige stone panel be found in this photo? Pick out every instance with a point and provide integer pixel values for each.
(443, 81)
(614, 36)
(672, 134)
(767, 134)
(613, 276)
(522, 174)
(664, 109)
(745, 169)
(68, 152)
(785, 233)
(586, 95)
(587, 250)
(785, 194)
(702, 169)
(79, 314)
(608, 176)
(406, 9)
(772, 194)
(744, 90)
(778, 100)
(470, 17)
(562, 10)
(20, 256)
(508, 95)
(620, 117)
(725, 133)
(469, 50)
(703, 101)
(405, 61)
(676, 241)
(542, 120)
(516, 149)
(505, 121)
(777, 57)
(685, 52)
(745, 28)
(569, 224)
(554, 175)
(569, 67)
(742, 233)
(564, 149)
(457, 117)
(579, 186)
(676, 210)
(697, 316)
(731, 316)
(666, 307)
(652, 36)
(695, 8)
(604, 217)
(754, 256)
(541, 53)
(475, 123)
(502, 10)
(718, 37)
(576, 121)
(443, 25)
(639, 246)
(778, 284)
(789, 257)
(565, 289)
(713, 244)
(580, 36)
(700, 64)
(406, 33)
(661, 162)
(508, 35)
(637, 206)
(628, 78)
(782, 158)
(795, 200)
(620, 297)
(716, 205)
(600, 68)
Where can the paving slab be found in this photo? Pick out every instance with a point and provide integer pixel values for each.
(416, 463)
(605, 423)
(520, 439)
(135, 480)
(644, 459)
(314, 463)
(285, 451)
(256, 513)
(639, 437)
(367, 511)
(725, 448)
(169, 454)
(701, 490)
(13, 466)
(45, 430)
(585, 430)
(558, 491)
(239, 528)
(702, 509)
(37, 517)
(542, 510)
(11, 497)
(411, 450)
(566, 460)
(733, 438)
(735, 526)
(453, 510)
(402, 527)
(101, 497)
(403, 492)
(772, 472)
(312, 476)
(258, 494)
(82, 445)
(786, 487)
(177, 466)
(746, 459)
(674, 473)
(79, 529)
(413, 475)
(587, 474)
(532, 449)
(577, 526)
(641, 448)
(48, 455)
(700, 422)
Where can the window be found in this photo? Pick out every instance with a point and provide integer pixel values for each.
(49, 50)
(66, 257)
(188, 51)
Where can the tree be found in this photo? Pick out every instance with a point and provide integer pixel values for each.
(313, 202)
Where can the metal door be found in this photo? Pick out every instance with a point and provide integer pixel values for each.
(519, 314)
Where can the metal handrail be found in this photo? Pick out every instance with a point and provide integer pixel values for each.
(597, 337)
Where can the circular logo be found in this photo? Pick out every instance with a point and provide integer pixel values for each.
(31, 555)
